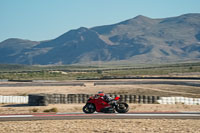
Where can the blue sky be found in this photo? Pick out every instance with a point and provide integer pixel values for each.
(47, 19)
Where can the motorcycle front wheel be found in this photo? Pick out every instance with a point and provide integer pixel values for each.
(122, 107)
(89, 108)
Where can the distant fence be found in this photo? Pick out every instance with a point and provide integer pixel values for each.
(13, 99)
(182, 100)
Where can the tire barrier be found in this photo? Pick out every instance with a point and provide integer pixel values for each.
(179, 100)
(38, 100)
(45, 99)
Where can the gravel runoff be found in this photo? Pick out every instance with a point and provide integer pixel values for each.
(104, 126)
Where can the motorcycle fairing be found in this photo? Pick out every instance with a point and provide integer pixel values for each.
(99, 104)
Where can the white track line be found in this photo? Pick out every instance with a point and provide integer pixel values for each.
(158, 114)
(142, 114)
(11, 116)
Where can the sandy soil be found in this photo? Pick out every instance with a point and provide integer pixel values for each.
(160, 90)
(109, 125)
(104, 126)
(16, 109)
(101, 125)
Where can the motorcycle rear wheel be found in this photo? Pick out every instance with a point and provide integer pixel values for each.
(122, 107)
(89, 108)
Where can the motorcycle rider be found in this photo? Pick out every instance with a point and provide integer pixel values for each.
(105, 97)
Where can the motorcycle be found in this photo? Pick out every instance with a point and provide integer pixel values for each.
(98, 104)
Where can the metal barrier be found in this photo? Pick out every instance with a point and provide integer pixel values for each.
(182, 100)
(13, 99)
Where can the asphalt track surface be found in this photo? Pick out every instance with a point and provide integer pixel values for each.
(22, 84)
(186, 83)
(73, 116)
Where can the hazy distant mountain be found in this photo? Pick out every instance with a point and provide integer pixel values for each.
(137, 40)
(11, 49)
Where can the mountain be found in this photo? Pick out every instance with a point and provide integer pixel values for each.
(137, 40)
(11, 49)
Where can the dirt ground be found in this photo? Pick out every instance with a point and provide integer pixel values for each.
(17, 109)
(89, 88)
(103, 126)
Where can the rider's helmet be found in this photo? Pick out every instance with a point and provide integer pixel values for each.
(101, 93)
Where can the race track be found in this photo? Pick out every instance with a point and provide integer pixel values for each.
(131, 115)
(185, 83)
(23, 84)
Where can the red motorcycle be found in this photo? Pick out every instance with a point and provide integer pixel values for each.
(98, 104)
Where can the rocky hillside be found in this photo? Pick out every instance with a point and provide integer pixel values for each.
(137, 40)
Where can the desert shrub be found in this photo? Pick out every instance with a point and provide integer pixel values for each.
(156, 102)
(46, 110)
(34, 110)
(51, 110)
(23, 94)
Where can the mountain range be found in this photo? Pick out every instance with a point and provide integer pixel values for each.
(137, 40)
